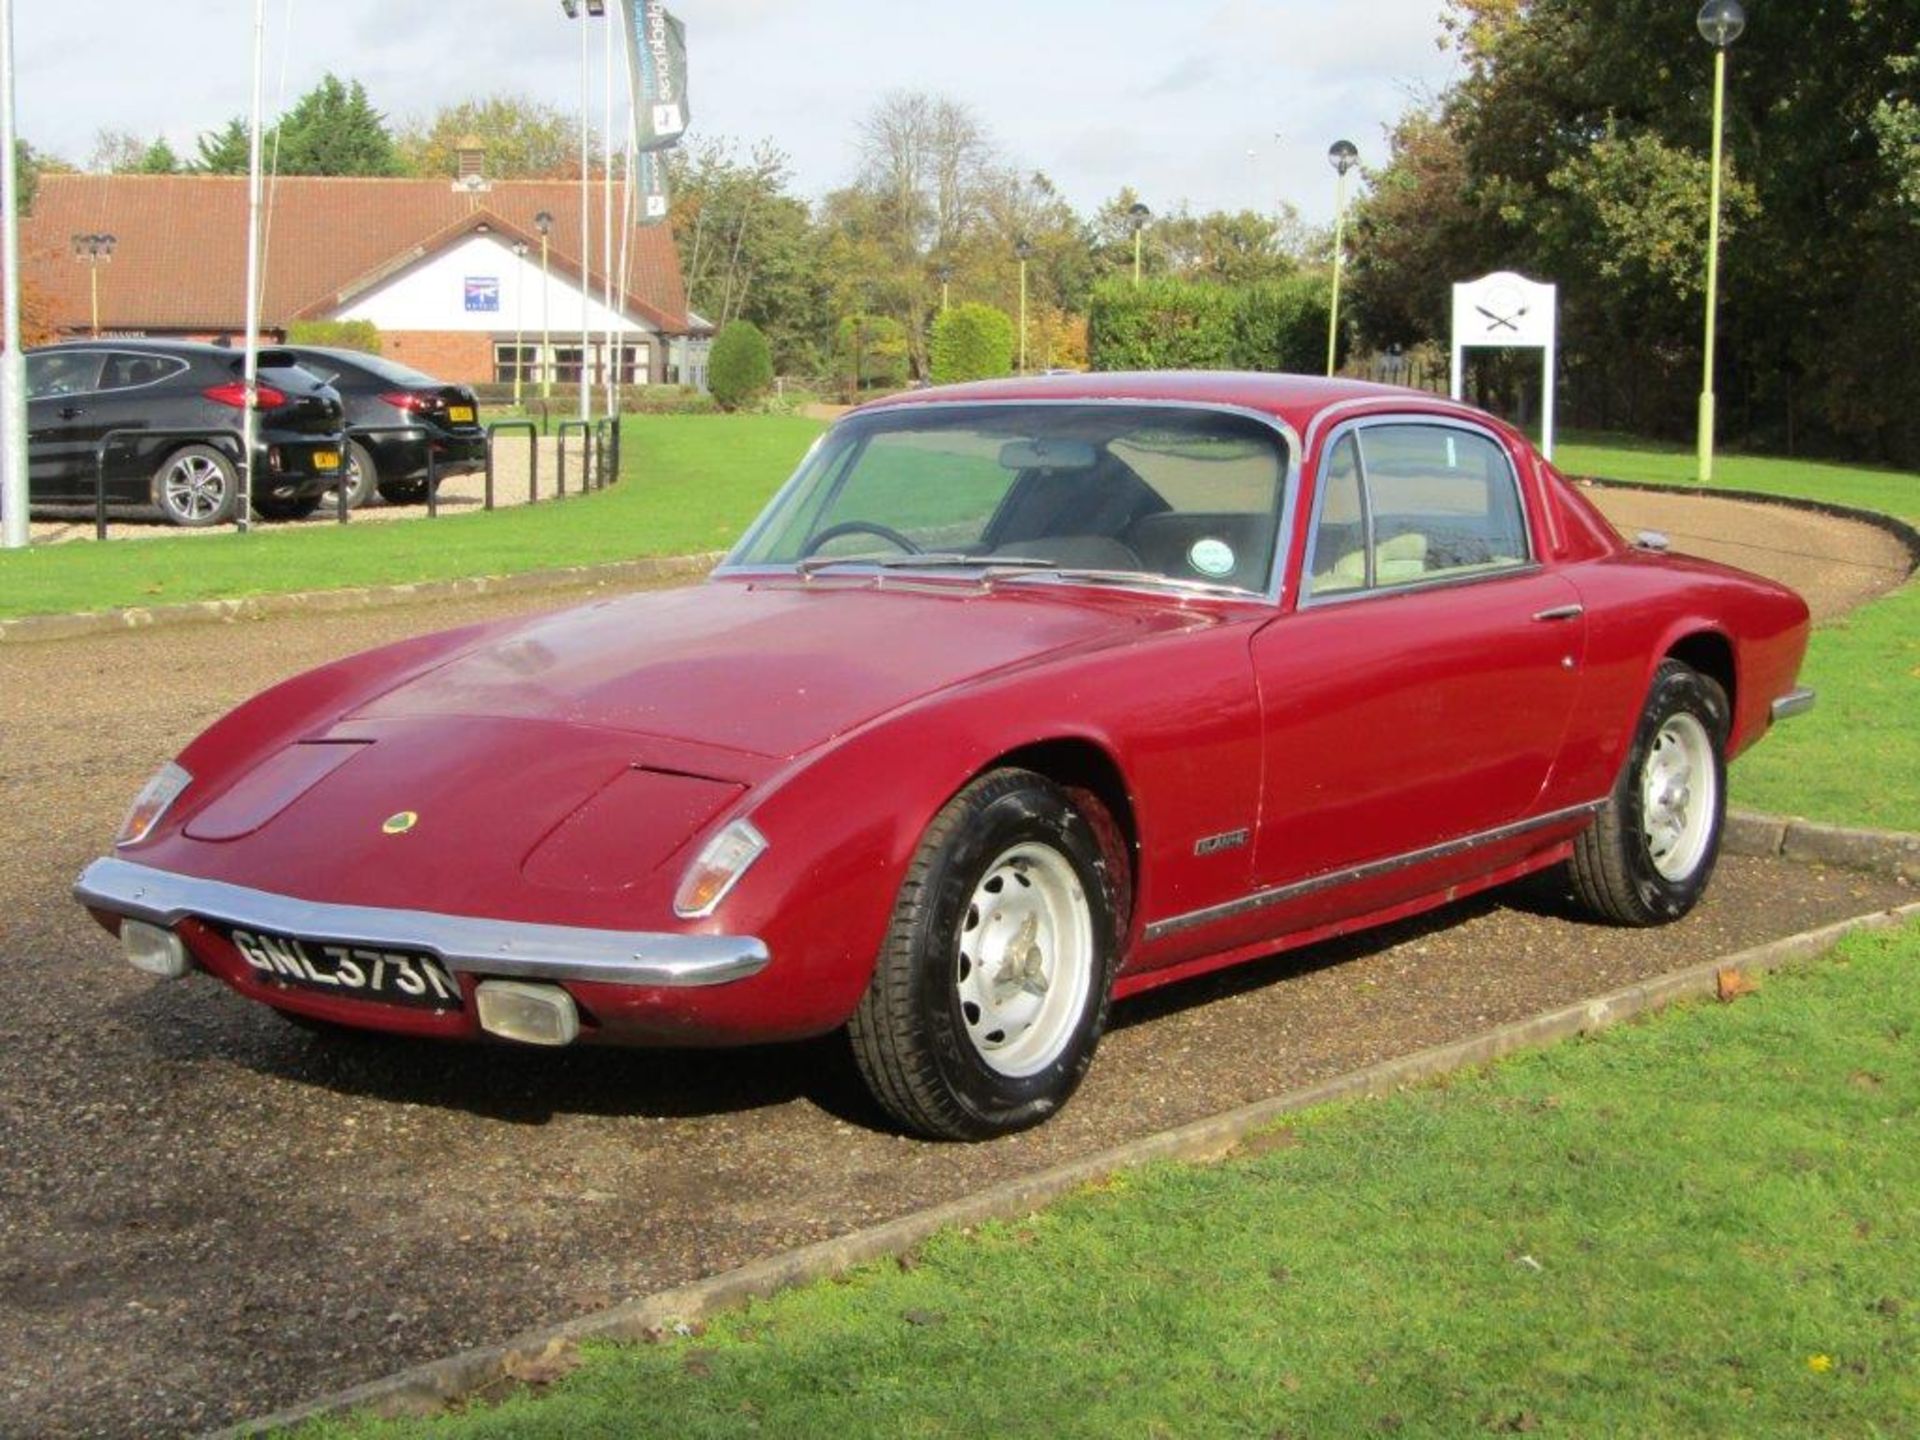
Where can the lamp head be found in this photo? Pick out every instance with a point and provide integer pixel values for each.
(1343, 155)
(572, 7)
(1721, 22)
(1023, 248)
(1139, 214)
(543, 222)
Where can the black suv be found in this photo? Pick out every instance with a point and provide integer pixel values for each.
(183, 403)
(395, 416)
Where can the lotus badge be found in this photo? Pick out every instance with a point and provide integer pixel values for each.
(400, 824)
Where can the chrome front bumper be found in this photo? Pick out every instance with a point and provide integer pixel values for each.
(506, 948)
(1794, 702)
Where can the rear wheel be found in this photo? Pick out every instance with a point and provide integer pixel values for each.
(1649, 854)
(361, 477)
(992, 989)
(196, 486)
(294, 507)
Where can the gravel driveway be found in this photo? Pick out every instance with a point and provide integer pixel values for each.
(207, 1213)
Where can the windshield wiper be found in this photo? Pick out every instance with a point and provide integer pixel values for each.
(927, 560)
(1151, 578)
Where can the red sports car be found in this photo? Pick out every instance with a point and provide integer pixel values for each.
(1019, 698)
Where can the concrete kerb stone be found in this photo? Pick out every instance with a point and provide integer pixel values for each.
(1882, 852)
(30, 628)
(430, 1388)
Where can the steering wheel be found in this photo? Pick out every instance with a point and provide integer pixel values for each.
(861, 527)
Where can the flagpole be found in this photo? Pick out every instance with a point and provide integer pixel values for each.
(626, 173)
(606, 222)
(13, 365)
(586, 242)
(250, 416)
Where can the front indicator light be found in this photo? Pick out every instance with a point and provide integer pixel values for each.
(717, 869)
(530, 1014)
(154, 951)
(152, 802)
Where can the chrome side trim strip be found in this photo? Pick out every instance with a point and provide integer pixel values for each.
(466, 943)
(1795, 702)
(1352, 874)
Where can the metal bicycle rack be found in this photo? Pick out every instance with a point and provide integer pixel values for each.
(532, 432)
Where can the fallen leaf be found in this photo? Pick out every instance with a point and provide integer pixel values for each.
(559, 1360)
(1865, 1080)
(1819, 1364)
(1730, 984)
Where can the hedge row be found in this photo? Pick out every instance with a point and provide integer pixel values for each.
(1185, 325)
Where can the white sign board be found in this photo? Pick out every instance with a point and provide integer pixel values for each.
(1507, 311)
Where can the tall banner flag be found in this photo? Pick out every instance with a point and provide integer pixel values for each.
(657, 75)
(660, 70)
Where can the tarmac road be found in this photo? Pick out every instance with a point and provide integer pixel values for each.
(206, 1213)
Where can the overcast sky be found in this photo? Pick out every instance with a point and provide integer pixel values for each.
(1222, 103)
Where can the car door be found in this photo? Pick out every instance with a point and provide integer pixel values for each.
(1419, 691)
(62, 386)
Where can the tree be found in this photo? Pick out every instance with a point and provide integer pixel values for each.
(29, 165)
(740, 367)
(336, 334)
(334, 130)
(871, 350)
(523, 138)
(158, 159)
(223, 151)
(972, 342)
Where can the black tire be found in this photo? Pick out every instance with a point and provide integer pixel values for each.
(361, 476)
(1622, 872)
(920, 1045)
(196, 487)
(294, 507)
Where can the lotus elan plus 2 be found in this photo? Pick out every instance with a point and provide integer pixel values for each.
(1019, 698)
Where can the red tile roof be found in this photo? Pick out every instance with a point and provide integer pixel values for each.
(180, 261)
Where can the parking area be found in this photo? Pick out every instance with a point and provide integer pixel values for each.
(209, 1213)
(459, 495)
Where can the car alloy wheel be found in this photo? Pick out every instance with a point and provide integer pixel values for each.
(1677, 785)
(196, 487)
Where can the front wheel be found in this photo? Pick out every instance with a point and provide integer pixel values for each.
(196, 486)
(992, 989)
(361, 476)
(1649, 854)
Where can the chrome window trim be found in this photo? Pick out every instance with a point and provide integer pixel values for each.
(1293, 460)
(1372, 591)
(467, 944)
(180, 368)
(1353, 874)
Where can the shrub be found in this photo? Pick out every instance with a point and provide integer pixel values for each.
(336, 334)
(1188, 325)
(741, 366)
(971, 342)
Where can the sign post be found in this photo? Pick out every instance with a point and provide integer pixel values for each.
(1508, 311)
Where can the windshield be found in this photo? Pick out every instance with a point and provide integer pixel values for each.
(1163, 493)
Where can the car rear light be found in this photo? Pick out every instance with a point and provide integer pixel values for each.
(407, 400)
(717, 869)
(152, 802)
(234, 393)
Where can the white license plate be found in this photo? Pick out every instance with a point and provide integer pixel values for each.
(365, 972)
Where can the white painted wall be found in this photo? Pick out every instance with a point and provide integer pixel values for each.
(432, 296)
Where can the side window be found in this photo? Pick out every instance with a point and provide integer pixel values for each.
(1340, 538)
(62, 372)
(1439, 503)
(124, 371)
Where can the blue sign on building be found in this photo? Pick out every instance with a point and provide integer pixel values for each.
(483, 292)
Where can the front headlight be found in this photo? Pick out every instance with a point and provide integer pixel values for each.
(152, 802)
(716, 869)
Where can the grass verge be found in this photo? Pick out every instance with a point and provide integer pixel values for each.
(1855, 760)
(1701, 1224)
(689, 483)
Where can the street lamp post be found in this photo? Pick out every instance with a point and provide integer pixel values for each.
(520, 248)
(1138, 215)
(945, 276)
(543, 222)
(1721, 23)
(1343, 156)
(594, 9)
(1025, 251)
(94, 251)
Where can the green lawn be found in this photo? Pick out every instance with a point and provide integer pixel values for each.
(1621, 457)
(689, 483)
(1700, 1225)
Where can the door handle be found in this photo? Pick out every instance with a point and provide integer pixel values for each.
(71, 412)
(1561, 612)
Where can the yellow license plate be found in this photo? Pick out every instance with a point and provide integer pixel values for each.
(326, 460)
(460, 414)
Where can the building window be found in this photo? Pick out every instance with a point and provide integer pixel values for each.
(515, 363)
(561, 363)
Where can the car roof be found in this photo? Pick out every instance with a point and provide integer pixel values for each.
(1298, 400)
(182, 348)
